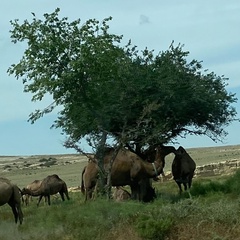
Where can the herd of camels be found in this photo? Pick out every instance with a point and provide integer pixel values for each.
(127, 169)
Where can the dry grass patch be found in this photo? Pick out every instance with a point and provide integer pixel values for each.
(204, 230)
(123, 231)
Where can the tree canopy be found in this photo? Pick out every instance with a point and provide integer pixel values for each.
(104, 86)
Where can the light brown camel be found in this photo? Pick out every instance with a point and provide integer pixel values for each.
(10, 193)
(127, 169)
(120, 194)
(32, 186)
(49, 186)
(183, 168)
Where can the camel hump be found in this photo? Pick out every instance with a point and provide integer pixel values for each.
(181, 150)
(2, 179)
(183, 160)
(36, 181)
(182, 154)
(54, 176)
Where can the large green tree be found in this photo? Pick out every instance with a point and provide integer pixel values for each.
(108, 89)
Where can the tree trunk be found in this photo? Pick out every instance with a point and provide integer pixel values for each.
(109, 170)
(100, 158)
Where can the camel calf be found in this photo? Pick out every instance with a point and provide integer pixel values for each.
(183, 168)
(33, 187)
(120, 194)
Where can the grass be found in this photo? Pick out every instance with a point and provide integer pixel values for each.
(210, 214)
(213, 212)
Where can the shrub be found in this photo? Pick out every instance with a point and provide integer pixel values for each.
(151, 228)
(203, 188)
(232, 184)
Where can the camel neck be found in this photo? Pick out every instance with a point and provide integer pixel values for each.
(34, 192)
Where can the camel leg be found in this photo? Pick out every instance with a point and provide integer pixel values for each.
(27, 197)
(67, 196)
(65, 191)
(15, 204)
(39, 200)
(88, 194)
(189, 186)
(190, 196)
(15, 213)
(20, 213)
(190, 181)
(135, 191)
(62, 195)
(48, 198)
(180, 187)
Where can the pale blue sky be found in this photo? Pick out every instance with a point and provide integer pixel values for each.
(208, 29)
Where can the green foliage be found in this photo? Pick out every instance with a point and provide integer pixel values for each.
(231, 185)
(206, 188)
(153, 228)
(134, 96)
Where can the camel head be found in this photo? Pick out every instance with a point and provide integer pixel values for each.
(163, 151)
(24, 191)
(158, 152)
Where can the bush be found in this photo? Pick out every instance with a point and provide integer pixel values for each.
(150, 228)
(229, 185)
(203, 188)
(47, 162)
(232, 184)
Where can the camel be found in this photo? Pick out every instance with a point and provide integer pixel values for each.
(32, 186)
(127, 169)
(49, 186)
(121, 194)
(183, 168)
(9, 193)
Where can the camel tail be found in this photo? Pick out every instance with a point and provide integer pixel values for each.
(66, 191)
(82, 181)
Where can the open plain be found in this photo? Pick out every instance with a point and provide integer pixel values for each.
(22, 170)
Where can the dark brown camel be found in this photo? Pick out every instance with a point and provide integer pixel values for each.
(10, 193)
(183, 168)
(127, 169)
(49, 186)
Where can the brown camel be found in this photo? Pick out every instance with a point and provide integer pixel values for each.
(10, 193)
(121, 194)
(183, 168)
(127, 169)
(32, 186)
(49, 186)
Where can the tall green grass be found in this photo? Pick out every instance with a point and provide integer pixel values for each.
(230, 185)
